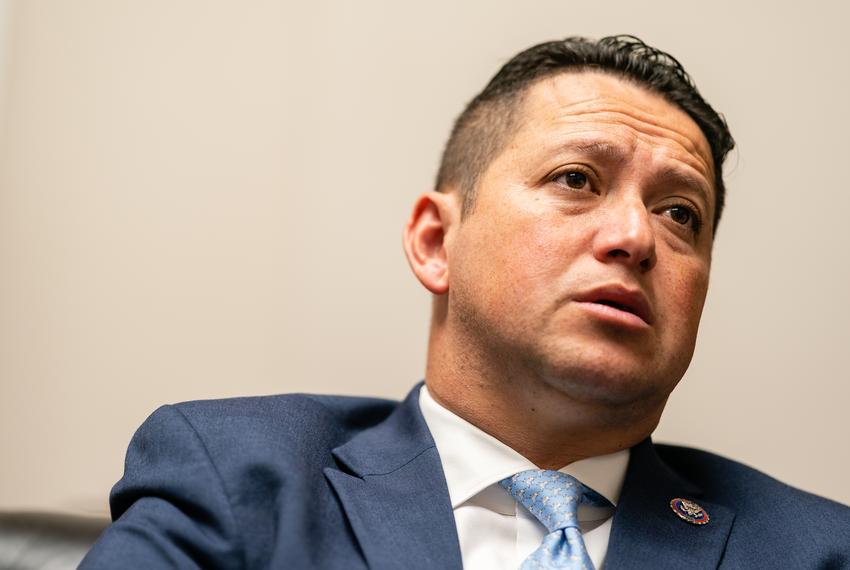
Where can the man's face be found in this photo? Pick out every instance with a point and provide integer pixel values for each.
(587, 254)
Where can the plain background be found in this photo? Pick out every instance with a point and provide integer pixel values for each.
(205, 198)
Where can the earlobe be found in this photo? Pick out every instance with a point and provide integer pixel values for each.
(425, 239)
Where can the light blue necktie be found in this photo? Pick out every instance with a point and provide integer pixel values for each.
(553, 498)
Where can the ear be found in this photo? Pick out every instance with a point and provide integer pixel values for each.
(424, 240)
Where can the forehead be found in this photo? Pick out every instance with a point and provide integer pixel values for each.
(597, 106)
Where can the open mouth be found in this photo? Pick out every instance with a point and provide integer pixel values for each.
(616, 305)
(630, 305)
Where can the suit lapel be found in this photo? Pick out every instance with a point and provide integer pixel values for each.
(646, 533)
(394, 493)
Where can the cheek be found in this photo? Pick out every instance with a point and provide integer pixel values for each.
(511, 263)
(686, 288)
(530, 258)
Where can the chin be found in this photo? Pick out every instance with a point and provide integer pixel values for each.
(610, 379)
(612, 369)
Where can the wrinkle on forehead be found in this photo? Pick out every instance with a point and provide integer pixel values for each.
(625, 109)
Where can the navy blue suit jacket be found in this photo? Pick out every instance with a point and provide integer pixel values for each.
(304, 481)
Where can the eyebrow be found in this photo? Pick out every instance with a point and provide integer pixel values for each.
(694, 183)
(601, 150)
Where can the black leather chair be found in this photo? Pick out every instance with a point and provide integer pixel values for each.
(46, 541)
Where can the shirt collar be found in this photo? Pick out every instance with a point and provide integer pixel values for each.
(474, 460)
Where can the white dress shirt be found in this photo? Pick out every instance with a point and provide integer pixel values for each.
(495, 531)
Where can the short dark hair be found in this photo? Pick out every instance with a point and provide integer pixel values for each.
(481, 132)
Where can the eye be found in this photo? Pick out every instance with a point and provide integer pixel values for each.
(684, 216)
(680, 215)
(575, 179)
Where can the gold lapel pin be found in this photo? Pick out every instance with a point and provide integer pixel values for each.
(689, 511)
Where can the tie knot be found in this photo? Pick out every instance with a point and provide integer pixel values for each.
(551, 496)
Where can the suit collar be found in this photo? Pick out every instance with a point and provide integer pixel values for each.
(394, 493)
(387, 446)
(646, 533)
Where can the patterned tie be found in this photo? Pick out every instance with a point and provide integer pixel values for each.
(553, 497)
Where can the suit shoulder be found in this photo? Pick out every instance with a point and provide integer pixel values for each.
(289, 420)
(293, 407)
(749, 490)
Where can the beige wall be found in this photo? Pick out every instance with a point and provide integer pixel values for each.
(204, 199)
(5, 43)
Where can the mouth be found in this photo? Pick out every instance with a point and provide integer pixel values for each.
(619, 303)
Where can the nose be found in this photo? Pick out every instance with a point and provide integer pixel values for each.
(625, 235)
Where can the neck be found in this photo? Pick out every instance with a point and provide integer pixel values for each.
(539, 421)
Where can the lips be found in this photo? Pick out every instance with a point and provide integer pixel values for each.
(621, 298)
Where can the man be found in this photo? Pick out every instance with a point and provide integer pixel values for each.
(568, 248)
